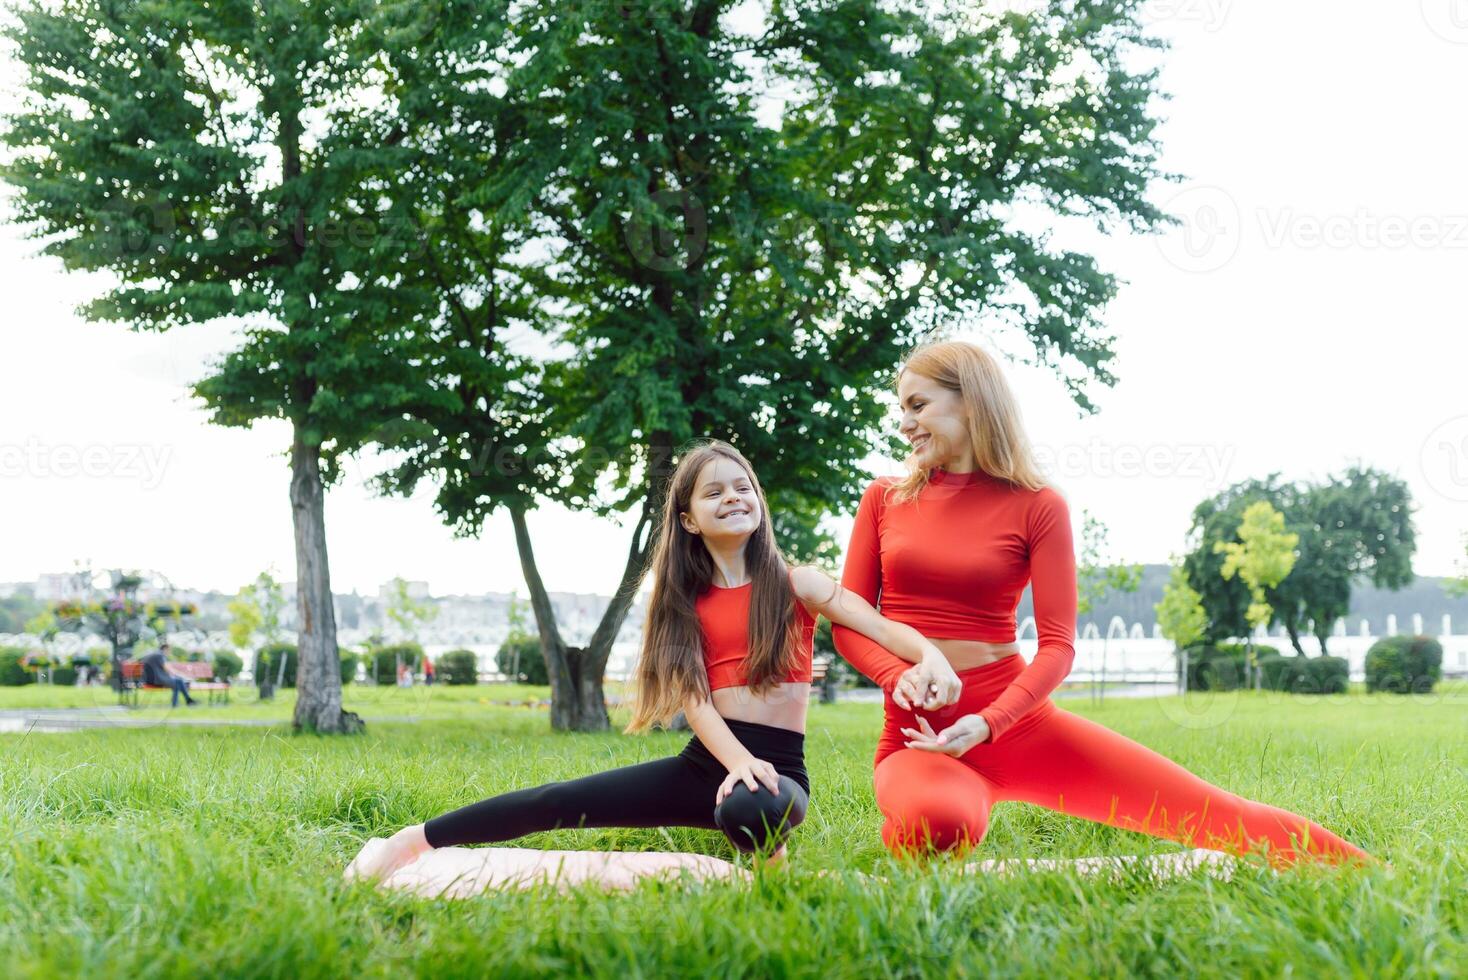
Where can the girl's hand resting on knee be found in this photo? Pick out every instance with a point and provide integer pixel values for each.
(751, 774)
(954, 740)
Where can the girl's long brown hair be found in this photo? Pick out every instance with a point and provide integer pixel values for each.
(671, 668)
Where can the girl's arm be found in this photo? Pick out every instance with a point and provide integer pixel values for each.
(861, 575)
(725, 746)
(845, 608)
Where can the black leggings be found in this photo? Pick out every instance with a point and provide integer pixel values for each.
(674, 792)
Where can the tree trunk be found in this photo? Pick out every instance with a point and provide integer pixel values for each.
(1294, 637)
(578, 698)
(318, 669)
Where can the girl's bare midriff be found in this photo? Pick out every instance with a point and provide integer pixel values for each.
(783, 706)
(967, 654)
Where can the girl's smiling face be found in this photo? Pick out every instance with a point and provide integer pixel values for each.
(724, 503)
(933, 420)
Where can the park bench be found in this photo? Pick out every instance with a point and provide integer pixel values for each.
(819, 667)
(200, 676)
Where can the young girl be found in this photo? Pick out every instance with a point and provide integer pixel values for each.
(728, 641)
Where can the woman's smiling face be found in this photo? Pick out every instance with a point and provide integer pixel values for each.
(724, 503)
(933, 420)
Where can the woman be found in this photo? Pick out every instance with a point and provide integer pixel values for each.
(949, 549)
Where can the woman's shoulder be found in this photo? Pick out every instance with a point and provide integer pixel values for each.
(876, 490)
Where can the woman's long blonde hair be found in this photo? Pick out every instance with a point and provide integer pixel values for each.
(995, 429)
(671, 666)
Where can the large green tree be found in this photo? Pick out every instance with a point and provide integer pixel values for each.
(221, 160)
(642, 247)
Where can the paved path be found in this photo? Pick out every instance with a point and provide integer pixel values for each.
(45, 720)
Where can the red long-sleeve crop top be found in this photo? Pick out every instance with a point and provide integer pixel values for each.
(723, 614)
(952, 564)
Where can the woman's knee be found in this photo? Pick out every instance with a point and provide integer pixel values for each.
(931, 802)
(761, 820)
(935, 823)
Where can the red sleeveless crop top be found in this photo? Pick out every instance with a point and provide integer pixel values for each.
(723, 615)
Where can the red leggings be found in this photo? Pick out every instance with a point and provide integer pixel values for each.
(1061, 761)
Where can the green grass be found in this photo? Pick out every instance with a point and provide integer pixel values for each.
(174, 852)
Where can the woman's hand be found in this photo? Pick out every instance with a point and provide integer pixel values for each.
(954, 740)
(929, 684)
(752, 773)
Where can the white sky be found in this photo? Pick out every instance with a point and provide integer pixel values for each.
(1312, 314)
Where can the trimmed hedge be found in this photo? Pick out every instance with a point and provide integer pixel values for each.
(384, 660)
(459, 667)
(1404, 664)
(268, 659)
(1223, 667)
(1304, 675)
(227, 665)
(532, 669)
(12, 674)
(350, 660)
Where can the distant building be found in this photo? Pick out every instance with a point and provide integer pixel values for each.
(52, 587)
(416, 590)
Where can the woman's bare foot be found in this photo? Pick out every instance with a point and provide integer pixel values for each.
(378, 863)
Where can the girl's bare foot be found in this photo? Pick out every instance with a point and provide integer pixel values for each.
(379, 859)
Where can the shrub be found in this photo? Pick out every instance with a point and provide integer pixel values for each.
(350, 660)
(1224, 666)
(12, 674)
(1404, 664)
(65, 675)
(532, 668)
(227, 665)
(268, 660)
(458, 667)
(1325, 675)
(385, 660)
(1280, 673)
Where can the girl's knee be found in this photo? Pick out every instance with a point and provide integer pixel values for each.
(761, 820)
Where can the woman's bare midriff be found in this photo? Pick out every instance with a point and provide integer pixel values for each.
(783, 706)
(967, 654)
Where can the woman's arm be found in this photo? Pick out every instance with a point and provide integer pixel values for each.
(862, 575)
(1053, 590)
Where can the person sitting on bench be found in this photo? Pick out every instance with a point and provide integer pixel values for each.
(156, 673)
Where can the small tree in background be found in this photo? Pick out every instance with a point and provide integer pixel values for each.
(1180, 615)
(408, 614)
(1459, 586)
(1261, 558)
(1096, 575)
(256, 621)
